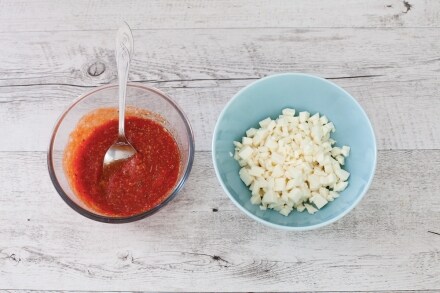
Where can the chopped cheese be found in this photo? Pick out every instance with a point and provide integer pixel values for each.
(291, 163)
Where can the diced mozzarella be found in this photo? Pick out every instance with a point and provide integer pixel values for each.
(300, 208)
(342, 174)
(251, 132)
(280, 184)
(288, 112)
(319, 201)
(256, 199)
(277, 158)
(265, 122)
(303, 116)
(245, 152)
(340, 186)
(345, 151)
(269, 197)
(256, 171)
(285, 211)
(245, 176)
(295, 195)
(314, 182)
(291, 162)
(340, 159)
(310, 209)
(277, 171)
(246, 141)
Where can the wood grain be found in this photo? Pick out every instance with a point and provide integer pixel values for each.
(384, 243)
(70, 291)
(394, 74)
(43, 15)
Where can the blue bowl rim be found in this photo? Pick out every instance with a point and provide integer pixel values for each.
(265, 222)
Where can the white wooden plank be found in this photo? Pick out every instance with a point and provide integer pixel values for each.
(393, 74)
(70, 57)
(383, 244)
(43, 15)
(69, 291)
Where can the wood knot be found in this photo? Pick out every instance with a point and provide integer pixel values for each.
(96, 69)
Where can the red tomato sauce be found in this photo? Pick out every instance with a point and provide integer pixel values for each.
(132, 186)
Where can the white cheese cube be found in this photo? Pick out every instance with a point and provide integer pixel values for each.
(332, 127)
(268, 165)
(317, 133)
(288, 112)
(251, 132)
(238, 144)
(300, 208)
(290, 184)
(277, 158)
(245, 176)
(336, 151)
(340, 186)
(271, 125)
(303, 116)
(255, 199)
(246, 141)
(265, 122)
(269, 197)
(246, 152)
(314, 119)
(256, 171)
(324, 192)
(314, 182)
(318, 201)
(296, 196)
(323, 120)
(295, 172)
(280, 184)
(310, 209)
(333, 194)
(319, 157)
(340, 159)
(328, 168)
(345, 151)
(262, 182)
(277, 171)
(259, 137)
(285, 211)
(271, 144)
(255, 188)
(342, 174)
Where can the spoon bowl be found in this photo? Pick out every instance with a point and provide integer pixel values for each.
(121, 150)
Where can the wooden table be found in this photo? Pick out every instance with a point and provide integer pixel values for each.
(385, 52)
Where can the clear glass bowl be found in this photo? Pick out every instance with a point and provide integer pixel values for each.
(138, 96)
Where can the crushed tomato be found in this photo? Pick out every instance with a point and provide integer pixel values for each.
(132, 186)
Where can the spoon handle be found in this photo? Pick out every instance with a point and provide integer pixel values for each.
(124, 51)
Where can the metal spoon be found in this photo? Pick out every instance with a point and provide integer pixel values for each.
(121, 149)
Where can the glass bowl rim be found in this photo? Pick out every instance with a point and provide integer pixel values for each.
(118, 220)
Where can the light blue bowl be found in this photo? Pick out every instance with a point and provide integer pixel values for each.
(267, 97)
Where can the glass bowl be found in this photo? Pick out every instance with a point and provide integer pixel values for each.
(138, 96)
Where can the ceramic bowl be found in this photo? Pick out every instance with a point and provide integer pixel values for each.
(266, 98)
